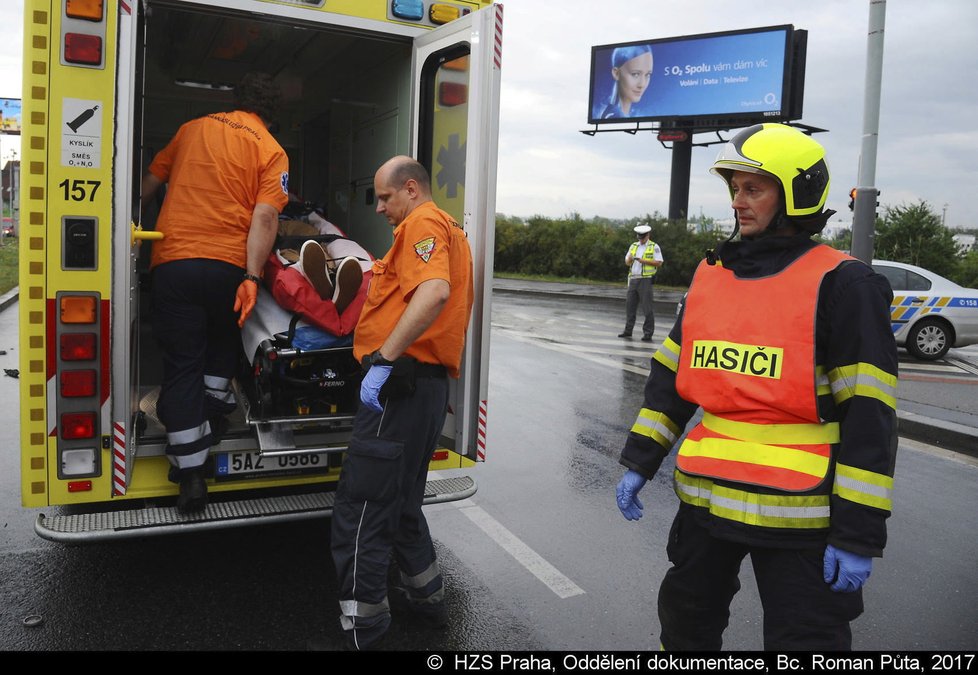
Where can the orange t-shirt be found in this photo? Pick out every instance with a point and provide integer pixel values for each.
(428, 244)
(217, 168)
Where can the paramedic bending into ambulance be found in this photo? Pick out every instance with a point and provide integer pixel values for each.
(227, 181)
(786, 345)
(409, 339)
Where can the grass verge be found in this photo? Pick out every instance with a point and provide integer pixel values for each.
(9, 264)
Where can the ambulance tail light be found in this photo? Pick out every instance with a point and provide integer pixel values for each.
(77, 309)
(78, 425)
(78, 347)
(83, 33)
(90, 10)
(83, 49)
(77, 383)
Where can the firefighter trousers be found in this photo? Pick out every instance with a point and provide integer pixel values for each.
(377, 509)
(801, 613)
(197, 331)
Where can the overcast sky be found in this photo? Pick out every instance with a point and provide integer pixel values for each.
(928, 131)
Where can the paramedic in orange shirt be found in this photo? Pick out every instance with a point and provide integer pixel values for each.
(227, 181)
(409, 339)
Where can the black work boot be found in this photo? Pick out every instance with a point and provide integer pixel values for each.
(430, 614)
(193, 490)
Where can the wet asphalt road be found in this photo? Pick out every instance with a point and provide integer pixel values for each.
(539, 559)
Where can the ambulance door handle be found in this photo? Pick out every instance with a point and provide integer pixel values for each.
(138, 234)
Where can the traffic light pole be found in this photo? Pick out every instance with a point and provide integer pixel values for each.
(864, 211)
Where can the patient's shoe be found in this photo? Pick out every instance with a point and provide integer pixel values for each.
(349, 276)
(312, 265)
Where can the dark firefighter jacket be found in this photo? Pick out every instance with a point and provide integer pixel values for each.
(856, 376)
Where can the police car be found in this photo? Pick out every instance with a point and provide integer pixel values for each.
(929, 314)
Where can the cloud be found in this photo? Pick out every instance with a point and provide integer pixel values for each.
(926, 144)
(925, 147)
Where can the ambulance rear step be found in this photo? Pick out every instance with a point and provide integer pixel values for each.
(278, 439)
(154, 521)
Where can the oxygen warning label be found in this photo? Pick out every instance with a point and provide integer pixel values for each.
(81, 133)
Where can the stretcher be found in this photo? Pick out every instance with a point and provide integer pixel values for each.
(301, 373)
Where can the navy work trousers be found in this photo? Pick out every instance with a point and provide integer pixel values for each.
(377, 508)
(197, 331)
(801, 612)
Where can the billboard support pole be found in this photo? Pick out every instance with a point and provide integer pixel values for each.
(864, 208)
(682, 154)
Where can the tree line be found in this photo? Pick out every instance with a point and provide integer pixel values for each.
(594, 249)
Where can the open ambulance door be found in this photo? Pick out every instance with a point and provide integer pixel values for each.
(455, 121)
(126, 245)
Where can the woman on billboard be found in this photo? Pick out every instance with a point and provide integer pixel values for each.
(631, 67)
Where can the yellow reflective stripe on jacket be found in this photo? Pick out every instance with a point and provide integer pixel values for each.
(863, 379)
(864, 487)
(647, 254)
(783, 434)
(760, 454)
(657, 426)
(822, 386)
(783, 511)
(668, 355)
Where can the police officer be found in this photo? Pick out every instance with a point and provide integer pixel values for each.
(644, 258)
(786, 346)
(409, 339)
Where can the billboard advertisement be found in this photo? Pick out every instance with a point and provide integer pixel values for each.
(733, 75)
(10, 115)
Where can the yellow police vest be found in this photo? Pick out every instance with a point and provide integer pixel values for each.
(647, 254)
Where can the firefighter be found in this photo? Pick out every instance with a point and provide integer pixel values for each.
(409, 339)
(786, 346)
(227, 181)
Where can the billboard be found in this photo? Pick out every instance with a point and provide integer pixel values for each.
(755, 74)
(9, 116)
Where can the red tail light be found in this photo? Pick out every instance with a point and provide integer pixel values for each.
(76, 383)
(84, 49)
(77, 425)
(78, 346)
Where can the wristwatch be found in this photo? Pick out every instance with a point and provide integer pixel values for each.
(375, 359)
(252, 277)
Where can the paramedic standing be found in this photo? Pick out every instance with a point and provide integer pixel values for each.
(409, 339)
(227, 181)
(644, 258)
(786, 345)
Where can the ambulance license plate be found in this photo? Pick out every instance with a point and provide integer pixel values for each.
(250, 464)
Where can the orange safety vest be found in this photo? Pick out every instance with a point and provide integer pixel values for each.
(752, 369)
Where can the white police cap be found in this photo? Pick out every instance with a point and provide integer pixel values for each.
(642, 229)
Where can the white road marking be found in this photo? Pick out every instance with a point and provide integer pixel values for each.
(526, 556)
(564, 349)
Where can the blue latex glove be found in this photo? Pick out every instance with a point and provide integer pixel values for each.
(371, 384)
(627, 493)
(849, 570)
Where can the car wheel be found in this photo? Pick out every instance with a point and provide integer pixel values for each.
(929, 340)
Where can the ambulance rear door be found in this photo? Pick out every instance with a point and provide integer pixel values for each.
(455, 122)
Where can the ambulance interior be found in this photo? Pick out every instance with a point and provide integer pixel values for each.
(344, 111)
